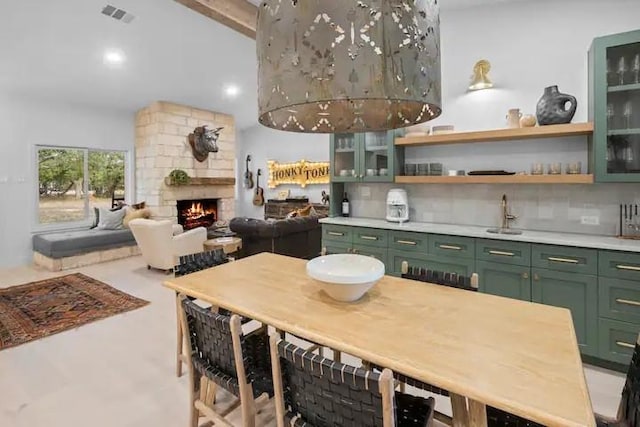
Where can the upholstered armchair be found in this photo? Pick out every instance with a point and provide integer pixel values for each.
(162, 249)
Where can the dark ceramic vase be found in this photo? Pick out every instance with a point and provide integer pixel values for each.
(551, 109)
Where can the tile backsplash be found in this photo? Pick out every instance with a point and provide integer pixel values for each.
(538, 207)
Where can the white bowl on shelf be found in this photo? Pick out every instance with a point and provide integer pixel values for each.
(345, 277)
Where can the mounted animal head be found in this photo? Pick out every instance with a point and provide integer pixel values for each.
(204, 141)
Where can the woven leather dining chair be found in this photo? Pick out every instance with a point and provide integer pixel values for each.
(222, 355)
(468, 283)
(191, 264)
(313, 391)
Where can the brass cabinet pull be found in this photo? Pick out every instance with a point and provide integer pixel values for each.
(627, 267)
(525, 275)
(335, 233)
(349, 250)
(406, 242)
(628, 302)
(625, 344)
(451, 247)
(502, 253)
(536, 277)
(368, 238)
(565, 260)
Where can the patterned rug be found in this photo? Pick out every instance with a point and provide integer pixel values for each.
(39, 309)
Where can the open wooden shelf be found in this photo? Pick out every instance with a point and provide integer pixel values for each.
(498, 179)
(551, 131)
(204, 181)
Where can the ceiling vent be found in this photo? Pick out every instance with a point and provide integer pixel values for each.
(117, 14)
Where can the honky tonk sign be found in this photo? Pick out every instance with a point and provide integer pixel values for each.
(301, 173)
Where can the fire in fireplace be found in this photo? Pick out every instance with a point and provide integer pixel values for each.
(197, 213)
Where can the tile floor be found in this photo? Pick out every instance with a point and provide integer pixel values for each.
(120, 372)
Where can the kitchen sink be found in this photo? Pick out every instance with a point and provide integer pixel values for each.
(504, 231)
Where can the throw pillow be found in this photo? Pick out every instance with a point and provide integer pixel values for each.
(96, 218)
(305, 211)
(308, 211)
(134, 214)
(111, 220)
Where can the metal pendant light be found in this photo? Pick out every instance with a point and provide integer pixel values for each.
(329, 66)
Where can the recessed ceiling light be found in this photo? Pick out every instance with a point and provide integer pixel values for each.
(113, 57)
(232, 91)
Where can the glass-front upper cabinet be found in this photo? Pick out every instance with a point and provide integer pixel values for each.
(376, 156)
(344, 157)
(365, 157)
(614, 106)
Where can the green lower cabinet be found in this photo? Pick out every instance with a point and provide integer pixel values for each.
(578, 293)
(617, 340)
(378, 253)
(505, 280)
(330, 248)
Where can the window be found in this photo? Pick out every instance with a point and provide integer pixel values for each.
(72, 181)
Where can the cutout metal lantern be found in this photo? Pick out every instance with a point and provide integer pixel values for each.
(329, 66)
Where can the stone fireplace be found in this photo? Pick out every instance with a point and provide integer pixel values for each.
(197, 213)
(162, 129)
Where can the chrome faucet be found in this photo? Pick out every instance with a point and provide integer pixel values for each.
(506, 216)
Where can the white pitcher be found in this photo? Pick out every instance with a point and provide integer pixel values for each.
(513, 118)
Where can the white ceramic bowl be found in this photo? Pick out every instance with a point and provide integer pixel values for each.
(345, 277)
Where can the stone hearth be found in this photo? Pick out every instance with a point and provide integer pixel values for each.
(162, 146)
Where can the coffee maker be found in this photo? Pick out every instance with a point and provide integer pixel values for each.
(397, 205)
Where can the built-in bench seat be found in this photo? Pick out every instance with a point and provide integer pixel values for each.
(73, 249)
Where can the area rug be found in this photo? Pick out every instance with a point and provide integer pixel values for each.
(39, 309)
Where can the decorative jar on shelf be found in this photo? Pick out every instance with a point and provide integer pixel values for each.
(552, 107)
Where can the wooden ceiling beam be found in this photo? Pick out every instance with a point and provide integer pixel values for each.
(239, 15)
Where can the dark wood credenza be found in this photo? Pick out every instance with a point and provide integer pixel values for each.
(279, 209)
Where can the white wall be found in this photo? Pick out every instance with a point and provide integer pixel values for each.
(530, 45)
(25, 123)
(267, 144)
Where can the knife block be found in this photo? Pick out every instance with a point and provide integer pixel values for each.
(629, 222)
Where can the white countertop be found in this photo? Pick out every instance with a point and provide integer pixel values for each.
(544, 237)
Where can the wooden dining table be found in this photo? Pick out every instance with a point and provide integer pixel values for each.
(517, 356)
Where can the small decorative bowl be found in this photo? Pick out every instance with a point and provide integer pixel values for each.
(345, 277)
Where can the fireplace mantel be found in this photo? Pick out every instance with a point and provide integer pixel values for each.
(202, 181)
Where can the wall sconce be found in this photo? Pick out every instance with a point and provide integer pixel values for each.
(480, 78)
